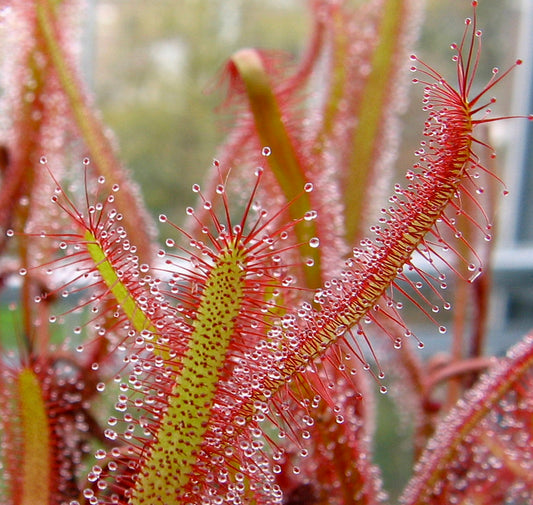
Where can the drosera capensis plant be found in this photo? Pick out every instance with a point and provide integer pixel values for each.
(239, 362)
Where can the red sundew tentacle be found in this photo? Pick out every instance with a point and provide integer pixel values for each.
(475, 223)
(412, 299)
(429, 280)
(392, 314)
(450, 222)
(352, 344)
(447, 261)
(394, 318)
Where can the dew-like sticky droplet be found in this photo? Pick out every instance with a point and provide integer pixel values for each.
(100, 454)
(314, 242)
(340, 330)
(266, 151)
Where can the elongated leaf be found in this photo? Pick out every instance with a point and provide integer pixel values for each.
(99, 147)
(482, 451)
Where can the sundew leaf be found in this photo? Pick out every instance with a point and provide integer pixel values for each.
(102, 258)
(282, 156)
(27, 96)
(36, 446)
(99, 148)
(44, 429)
(482, 451)
(35, 110)
(373, 99)
(191, 399)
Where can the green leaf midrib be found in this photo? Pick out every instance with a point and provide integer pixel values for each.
(172, 457)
